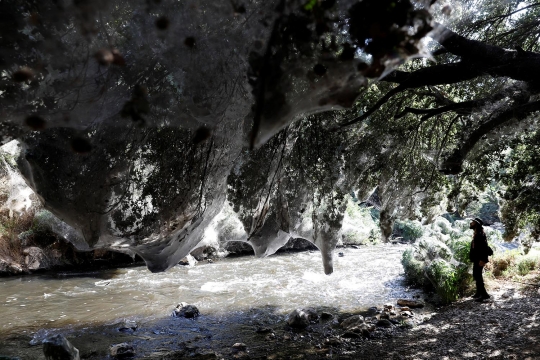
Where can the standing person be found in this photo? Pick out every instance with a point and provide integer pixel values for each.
(479, 257)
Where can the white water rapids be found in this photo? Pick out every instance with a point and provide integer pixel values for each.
(364, 277)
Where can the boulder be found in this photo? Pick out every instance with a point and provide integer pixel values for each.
(122, 351)
(10, 267)
(35, 259)
(326, 316)
(372, 310)
(298, 319)
(410, 303)
(188, 261)
(128, 325)
(185, 310)
(352, 321)
(238, 247)
(57, 347)
(204, 253)
(384, 323)
(297, 244)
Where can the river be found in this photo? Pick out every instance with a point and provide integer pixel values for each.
(362, 278)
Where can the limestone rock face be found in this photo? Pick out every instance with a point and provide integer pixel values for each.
(57, 347)
(139, 148)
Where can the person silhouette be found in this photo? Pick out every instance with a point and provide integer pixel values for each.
(479, 257)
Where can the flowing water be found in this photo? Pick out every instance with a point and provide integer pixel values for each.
(362, 278)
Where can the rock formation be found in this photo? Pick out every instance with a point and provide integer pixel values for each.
(137, 148)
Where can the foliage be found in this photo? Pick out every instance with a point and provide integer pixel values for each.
(414, 269)
(440, 259)
(408, 230)
(446, 279)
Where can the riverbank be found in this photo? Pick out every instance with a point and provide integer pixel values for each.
(506, 327)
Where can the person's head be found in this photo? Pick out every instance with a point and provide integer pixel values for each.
(476, 224)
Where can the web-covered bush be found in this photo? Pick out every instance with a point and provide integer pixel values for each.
(408, 230)
(440, 260)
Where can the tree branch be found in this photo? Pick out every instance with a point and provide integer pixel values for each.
(453, 164)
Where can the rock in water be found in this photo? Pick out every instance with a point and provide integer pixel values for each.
(185, 310)
(298, 319)
(122, 351)
(410, 303)
(128, 325)
(57, 347)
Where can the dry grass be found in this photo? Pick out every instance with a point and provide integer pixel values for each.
(512, 264)
(10, 228)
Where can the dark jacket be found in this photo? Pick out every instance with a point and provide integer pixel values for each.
(479, 248)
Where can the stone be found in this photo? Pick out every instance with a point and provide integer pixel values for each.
(128, 325)
(263, 330)
(410, 303)
(372, 310)
(239, 346)
(298, 318)
(384, 323)
(57, 347)
(241, 355)
(404, 308)
(351, 335)
(122, 351)
(34, 258)
(10, 267)
(185, 310)
(188, 261)
(385, 315)
(352, 321)
(333, 341)
(326, 316)
(409, 324)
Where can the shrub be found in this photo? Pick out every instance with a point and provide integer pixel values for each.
(447, 279)
(527, 264)
(443, 225)
(414, 269)
(408, 230)
(440, 259)
(353, 237)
